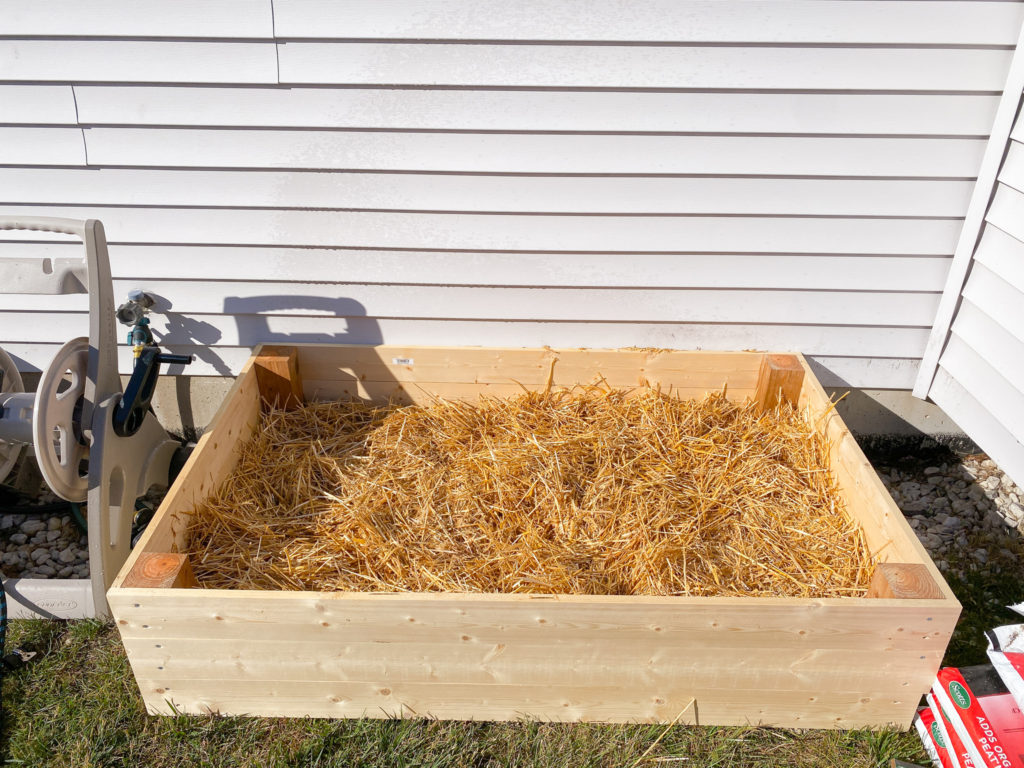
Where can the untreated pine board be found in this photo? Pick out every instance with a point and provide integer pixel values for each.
(631, 66)
(486, 193)
(511, 232)
(741, 706)
(438, 109)
(213, 458)
(701, 622)
(471, 662)
(903, 581)
(984, 23)
(466, 364)
(533, 153)
(779, 379)
(447, 655)
(139, 18)
(886, 531)
(427, 392)
(278, 377)
(161, 570)
(137, 61)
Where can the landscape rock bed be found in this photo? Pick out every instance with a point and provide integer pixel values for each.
(43, 547)
(967, 513)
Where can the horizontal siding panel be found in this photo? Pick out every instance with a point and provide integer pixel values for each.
(542, 233)
(545, 154)
(641, 270)
(985, 23)
(985, 382)
(1007, 211)
(433, 192)
(139, 18)
(804, 113)
(41, 146)
(1012, 172)
(986, 429)
(660, 67)
(839, 372)
(137, 61)
(37, 104)
(1002, 301)
(249, 330)
(993, 343)
(1003, 254)
(480, 303)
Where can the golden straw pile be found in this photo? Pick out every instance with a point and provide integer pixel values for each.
(586, 491)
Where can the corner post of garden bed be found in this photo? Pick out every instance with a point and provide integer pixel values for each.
(278, 377)
(780, 378)
(903, 581)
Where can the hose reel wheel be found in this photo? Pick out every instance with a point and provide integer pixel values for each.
(56, 422)
(10, 383)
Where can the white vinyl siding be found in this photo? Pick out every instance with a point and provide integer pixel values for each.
(979, 379)
(687, 174)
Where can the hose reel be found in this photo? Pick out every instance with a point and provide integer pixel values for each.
(48, 419)
(93, 441)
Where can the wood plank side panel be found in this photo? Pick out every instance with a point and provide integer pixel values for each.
(888, 535)
(531, 657)
(214, 457)
(417, 374)
(603, 704)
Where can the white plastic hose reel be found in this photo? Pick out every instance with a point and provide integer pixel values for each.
(72, 412)
(46, 420)
(12, 438)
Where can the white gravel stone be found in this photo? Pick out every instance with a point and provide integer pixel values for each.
(53, 523)
(18, 538)
(33, 526)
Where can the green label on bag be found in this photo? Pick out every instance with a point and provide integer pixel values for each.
(937, 735)
(959, 695)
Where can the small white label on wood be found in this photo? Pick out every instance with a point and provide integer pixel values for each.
(402, 361)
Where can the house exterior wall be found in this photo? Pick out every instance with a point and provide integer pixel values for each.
(716, 175)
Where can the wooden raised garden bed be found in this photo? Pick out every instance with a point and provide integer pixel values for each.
(826, 663)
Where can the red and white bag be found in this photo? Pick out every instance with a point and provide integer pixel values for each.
(933, 740)
(984, 715)
(956, 752)
(1006, 650)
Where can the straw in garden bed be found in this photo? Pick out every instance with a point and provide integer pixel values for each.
(585, 491)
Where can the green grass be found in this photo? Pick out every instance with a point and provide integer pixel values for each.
(77, 705)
